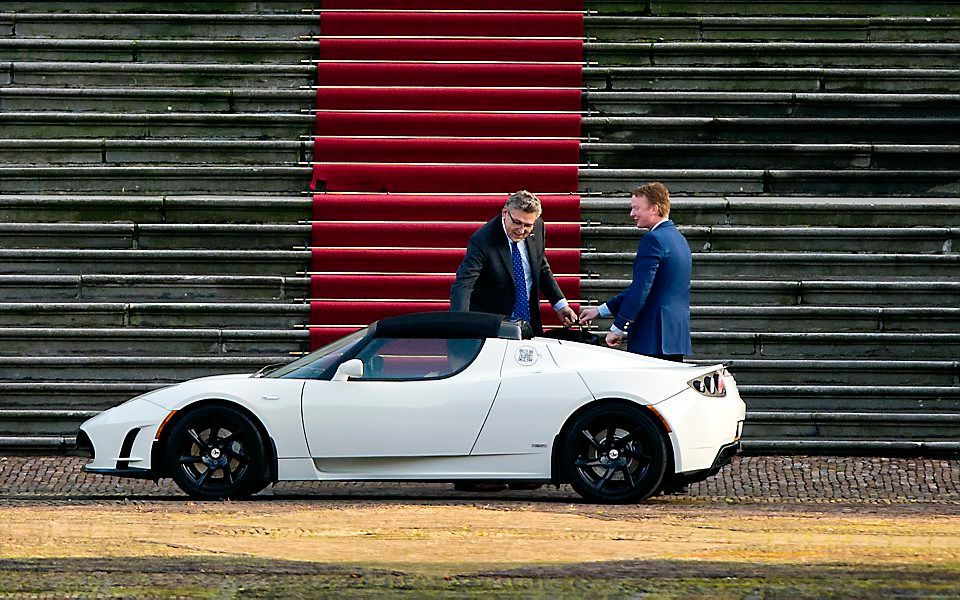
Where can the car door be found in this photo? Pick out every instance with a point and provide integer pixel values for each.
(417, 398)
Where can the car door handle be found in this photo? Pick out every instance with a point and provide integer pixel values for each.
(270, 397)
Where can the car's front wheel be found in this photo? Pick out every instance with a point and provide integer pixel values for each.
(216, 452)
(614, 454)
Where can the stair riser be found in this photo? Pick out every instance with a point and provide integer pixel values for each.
(759, 108)
(652, 157)
(851, 431)
(743, 266)
(786, 82)
(703, 241)
(825, 215)
(95, 156)
(796, 132)
(136, 318)
(153, 212)
(173, 103)
(104, 127)
(213, 183)
(792, 296)
(285, 79)
(174, 54)
(772, 375)
(223, 240)
(159, 30)
(811, 9)
(854, 349)
(75, 400)
(199, 266)
(147, 373)
(148, 346)
(644, 55)
(828, 403)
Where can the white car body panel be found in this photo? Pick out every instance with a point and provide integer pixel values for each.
(429, 418)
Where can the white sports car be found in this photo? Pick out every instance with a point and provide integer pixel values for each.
(456, 397)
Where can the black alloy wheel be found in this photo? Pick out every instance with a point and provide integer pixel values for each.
(615, 454)
(216, 452)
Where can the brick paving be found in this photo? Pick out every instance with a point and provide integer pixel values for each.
(818, 479)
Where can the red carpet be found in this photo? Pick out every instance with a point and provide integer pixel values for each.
(449, 98)
(449, 74)
(444, 150)
(435, 208)
(428, 116)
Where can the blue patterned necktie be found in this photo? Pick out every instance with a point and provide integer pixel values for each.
(521, 305)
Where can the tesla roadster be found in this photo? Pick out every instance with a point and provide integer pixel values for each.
(453, 397)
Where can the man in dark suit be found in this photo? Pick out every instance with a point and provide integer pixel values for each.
(654, 312)
(505, 268)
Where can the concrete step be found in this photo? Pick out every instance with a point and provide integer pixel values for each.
(161, 25)
(153, 262)
(771, 79)
(803, 8)
(148, 236)
(143, 6)
(764, 104)
(59, 74)
(90, 340)
(765, 28)
(844, 371)
(798, 425)
(152, 288)
(191, 151)
(775, 182)
(137, 125)
(826, 346)
(825, 319)
(772, 156)
(792, 265)
(846, 398)
(895, 293)
(776, 54)
(727, 238)
(246, 315)
(189, 209)
(797, 211)
(156, 99)
(154, 179)
(130, 369)
(260, 51)
(76, 395)
(898, 447)
(811, 130)
(15, 423)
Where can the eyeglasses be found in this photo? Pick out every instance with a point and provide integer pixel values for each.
(518, 223)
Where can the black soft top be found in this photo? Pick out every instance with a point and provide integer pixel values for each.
(451, 325)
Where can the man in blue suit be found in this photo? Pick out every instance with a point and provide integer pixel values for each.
(654, 312)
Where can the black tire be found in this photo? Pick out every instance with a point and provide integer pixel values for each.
(614, 454)
(216, 452)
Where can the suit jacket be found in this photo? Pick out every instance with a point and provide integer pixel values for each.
(655, 309)
(484, 280)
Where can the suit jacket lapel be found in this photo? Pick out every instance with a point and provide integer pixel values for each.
(503, 247)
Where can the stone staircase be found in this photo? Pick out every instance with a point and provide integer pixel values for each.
(152, 166)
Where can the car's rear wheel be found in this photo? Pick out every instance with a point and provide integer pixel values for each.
(614, 454)
(216, 452)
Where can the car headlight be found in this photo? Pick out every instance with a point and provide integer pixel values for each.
(710, 385)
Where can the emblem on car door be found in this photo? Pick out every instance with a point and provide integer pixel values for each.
(527, 355)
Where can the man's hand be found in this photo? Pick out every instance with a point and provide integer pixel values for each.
(589, 314)
(614, 339)
(567, 315)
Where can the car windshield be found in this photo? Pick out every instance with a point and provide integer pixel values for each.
(315, 364)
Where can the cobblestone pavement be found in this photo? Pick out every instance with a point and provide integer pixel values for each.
(818, 479)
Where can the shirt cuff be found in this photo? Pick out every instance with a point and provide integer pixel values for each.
(616, 330)
(561, 304)
(604, 311)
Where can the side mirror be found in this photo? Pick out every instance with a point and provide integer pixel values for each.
(351, 368)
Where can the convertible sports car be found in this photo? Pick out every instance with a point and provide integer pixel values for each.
(454, 397)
